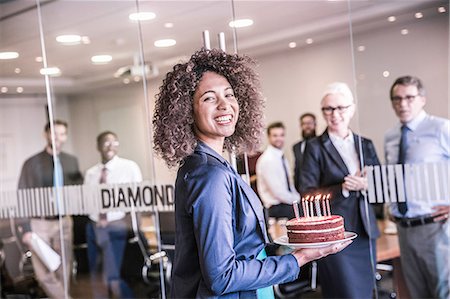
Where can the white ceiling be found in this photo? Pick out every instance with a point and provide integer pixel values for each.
(276, 23)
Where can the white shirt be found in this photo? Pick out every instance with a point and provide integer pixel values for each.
(119, 171)
(271, 179)
(347, 150)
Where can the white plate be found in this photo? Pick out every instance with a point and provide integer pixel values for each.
(283, 240)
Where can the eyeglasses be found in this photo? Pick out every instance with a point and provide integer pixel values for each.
(329, 110)
(110, 143)
(409, 98)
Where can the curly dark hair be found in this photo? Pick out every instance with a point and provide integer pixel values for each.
(173, 119)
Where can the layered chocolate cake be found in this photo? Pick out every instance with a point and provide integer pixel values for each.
(315, 229)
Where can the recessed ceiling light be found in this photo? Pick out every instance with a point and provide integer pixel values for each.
(38, 59)
(418, 15)
(163, 43)
(101, 59)
(404, 31)
(441, 9)
(309, 41)
(9, 55)
(136, 78)
(19, 89)
(386, 74)
(69, 39)
(17, 70)
(4, 89)
(361, 48)
(292, 45)
(85, 40)
(50, 71)
(126, 81)
(168, 25)
(240, 23)
(142, 16)
(391, 19)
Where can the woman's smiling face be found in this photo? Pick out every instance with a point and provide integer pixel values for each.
(216, 109)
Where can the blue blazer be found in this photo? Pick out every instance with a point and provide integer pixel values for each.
(220, 230)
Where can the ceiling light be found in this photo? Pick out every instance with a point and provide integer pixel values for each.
(38, 59)
(392, 19)
(163, 43)
(418, 15)
(19, 89)
(85, 40)
(404, 31)
(142, 16)
(50, 71)
(17, 70)
(361, 48)
(168, 25)
(9, 55)
(292, 45)
(101, 59)
(69, 39)
(136, 79)
(441, 9)
(386, 74)
(240, 23)
(4, 89)
(126, 81)
(309, 41)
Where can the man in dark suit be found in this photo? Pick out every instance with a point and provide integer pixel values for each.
(308, 126)
(334, 164)
(43, 170)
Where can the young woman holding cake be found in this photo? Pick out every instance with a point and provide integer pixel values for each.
(332, 165)
(210, 104)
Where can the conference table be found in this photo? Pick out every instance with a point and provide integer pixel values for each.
(388, 249)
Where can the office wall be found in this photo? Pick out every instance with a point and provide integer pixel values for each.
(293, 82)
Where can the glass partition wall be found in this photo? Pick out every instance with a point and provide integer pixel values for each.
(95, 67)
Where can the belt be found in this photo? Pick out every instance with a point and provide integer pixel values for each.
(416, 221)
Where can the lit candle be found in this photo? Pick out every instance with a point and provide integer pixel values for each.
(307, 206)
(323, 206)
(296, 212)
(328, 204)
(316, 203)
(303, 207)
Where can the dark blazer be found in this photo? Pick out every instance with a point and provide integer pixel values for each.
(37, 171)
(220, 230)
(297, 148)
(323, 169)
(347, 274)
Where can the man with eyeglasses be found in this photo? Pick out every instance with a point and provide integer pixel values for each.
(423, 226)
(107, 233)
(332, 165)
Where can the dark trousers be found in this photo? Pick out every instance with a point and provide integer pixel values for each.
(281, 210)
(108, 243)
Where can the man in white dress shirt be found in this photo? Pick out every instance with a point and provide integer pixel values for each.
(107, 233)
(275, 188)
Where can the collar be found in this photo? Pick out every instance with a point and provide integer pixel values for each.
(111, 163)
(335, 138)
(414, 123)
(204, 148)
(274, 150)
